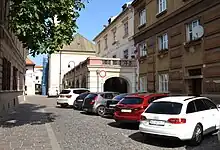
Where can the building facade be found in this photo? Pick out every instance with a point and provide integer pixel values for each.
(116, 39)
(103, 74)
(30, 77)
(66, 59)
(12, 63)
(176, 60)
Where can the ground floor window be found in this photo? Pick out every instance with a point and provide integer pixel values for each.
(143, 84)
(163, 82)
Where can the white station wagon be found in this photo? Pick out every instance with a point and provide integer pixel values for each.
(183, 117)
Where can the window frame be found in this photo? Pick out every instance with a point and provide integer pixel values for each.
(163, 84)
(162, 6)
(189, 26)
(163, 42)
(142, 17)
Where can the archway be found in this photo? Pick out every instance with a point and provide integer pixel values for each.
(116, 84)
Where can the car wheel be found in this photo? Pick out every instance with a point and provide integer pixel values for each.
(197, 135)
(101, 111)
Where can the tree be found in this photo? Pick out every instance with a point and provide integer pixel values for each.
(44, 26)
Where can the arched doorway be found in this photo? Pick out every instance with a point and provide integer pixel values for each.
(116, 84)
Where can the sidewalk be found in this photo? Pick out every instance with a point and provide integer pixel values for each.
(26, 129)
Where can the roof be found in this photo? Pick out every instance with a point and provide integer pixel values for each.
(29, 62)
(174, 99)
(38, 67)
(80, 44)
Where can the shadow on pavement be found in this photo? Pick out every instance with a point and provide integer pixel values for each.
(27, 114)
(210, 142)
(129, 126)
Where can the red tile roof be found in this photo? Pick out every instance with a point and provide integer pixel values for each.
(29, 62)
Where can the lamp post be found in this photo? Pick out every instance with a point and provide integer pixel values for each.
(74, 65)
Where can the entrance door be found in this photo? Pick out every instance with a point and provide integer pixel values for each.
(196, 87)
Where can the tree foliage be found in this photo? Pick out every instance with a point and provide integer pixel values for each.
(44, 26)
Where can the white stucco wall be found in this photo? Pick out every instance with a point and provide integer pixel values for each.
(54, 67)
(30, 80)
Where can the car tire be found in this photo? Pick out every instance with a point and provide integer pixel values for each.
(197, 135)
(101, 111)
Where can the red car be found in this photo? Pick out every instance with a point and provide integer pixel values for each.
(131, 107)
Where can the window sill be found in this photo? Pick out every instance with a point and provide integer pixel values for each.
(141, 26)
(162, 53)
(161, 13)
(193, 43)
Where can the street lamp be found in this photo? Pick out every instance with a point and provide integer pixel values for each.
(74, 65)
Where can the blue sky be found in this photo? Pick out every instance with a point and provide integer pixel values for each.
(92, 19)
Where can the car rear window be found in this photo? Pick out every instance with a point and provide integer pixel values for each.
(169, 108)
(132, 100)
(91, 95)
(119, 97)
(79, 91)
(65, 91)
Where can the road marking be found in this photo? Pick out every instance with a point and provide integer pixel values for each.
(53, 140)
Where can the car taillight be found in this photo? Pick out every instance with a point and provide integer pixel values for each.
(69, 96)
(143, 118)
(177, 120)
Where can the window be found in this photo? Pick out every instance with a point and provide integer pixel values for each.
(143, 49)
(6, 77)
(125, 29)
(143, 84)
(200, 105)
(163, 42)
(209, 104)
(15, 78)
(169, 108)
(106, 42)
(99, 47)
(126, 54)
(191, 108)
(142, 17)
(189, 28)
(114, 35)
(163, 82)
(162, 5)
(132, 100)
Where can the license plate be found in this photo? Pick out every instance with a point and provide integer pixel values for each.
(112, 105)
(157, 122)
(126, 110)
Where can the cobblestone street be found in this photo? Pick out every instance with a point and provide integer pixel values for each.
(39, 124)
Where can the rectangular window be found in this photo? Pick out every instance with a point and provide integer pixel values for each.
(162, 5)
(126, 29)
(6, 77)
(189, 28)
(163, 83)
(143, 49)
(106, 42)
(142, 17)
(15, 78)
(126, 54)
(163, 42)
(143, 84)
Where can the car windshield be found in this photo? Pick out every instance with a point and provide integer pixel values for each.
(132, 100)
(169, 108)
(119, 97)
(65, 92)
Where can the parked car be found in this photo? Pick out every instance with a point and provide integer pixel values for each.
(95, 102)
(131, 107)
(183, 117)
(68, 96)
(79, 101)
